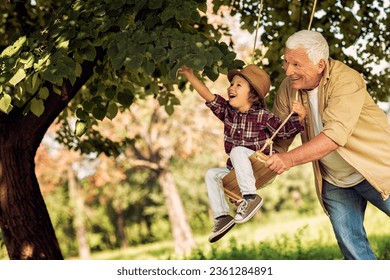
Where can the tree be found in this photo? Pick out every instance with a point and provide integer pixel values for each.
(94, 60)
(360, 26)
(102, 58)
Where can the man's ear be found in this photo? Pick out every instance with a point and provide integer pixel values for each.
(321, 66)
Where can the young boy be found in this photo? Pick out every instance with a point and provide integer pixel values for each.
(247, 125)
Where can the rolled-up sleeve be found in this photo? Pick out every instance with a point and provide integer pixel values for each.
(345, 102)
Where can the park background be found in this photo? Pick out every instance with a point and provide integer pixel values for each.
(150, 202)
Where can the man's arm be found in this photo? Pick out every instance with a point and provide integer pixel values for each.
(315, 149)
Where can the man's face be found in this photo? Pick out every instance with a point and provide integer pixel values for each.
(302, 72)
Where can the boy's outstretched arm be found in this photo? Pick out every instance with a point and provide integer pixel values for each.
(197, 84)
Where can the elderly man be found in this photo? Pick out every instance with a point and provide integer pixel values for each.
(346, 137)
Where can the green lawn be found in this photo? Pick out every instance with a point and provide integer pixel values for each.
(280, 236)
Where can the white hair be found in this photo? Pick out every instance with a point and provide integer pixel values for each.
(312, 42)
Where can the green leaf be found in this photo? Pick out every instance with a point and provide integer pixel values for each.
(159, 53)
(5, 103)
(43, 93)
(212, 73)
(197, 62)
(88, 53)
(81, 128)
(37, 107)
(174, 100)
(41, 62)
(99, 113)
(155, 4)
(78, 70)
(49, 74)
(110, 92)
(169, 109)
(116, 56)
(167, 14)
(172, 75)
(112, 111)
(63, 45)
(27, 58)
(57, 90)
(4, 77)
(149, 67)
(202, 7)
(19, 92)
(186, 11)
(134, 61)
(14, 48)
(81, 114)
(35, 82)
(216, 53)
(125, 98)
(19, 75)
(87, 105)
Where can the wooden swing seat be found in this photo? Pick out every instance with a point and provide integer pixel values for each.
(262, 174)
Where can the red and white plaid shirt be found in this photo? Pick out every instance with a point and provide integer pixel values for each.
(252, 128)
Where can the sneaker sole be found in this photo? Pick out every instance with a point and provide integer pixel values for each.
(247, 218)
(222, 232)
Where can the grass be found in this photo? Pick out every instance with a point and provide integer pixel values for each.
(280, 236)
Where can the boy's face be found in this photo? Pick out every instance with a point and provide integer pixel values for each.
(238, 93)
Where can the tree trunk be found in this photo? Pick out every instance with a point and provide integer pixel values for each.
(182, 233)
(77, 202)
(24, 219)
(121, 229)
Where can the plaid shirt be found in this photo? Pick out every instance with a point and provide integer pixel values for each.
(252, 128)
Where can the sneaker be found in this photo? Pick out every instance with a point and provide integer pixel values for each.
(222, 225)
(248, 208)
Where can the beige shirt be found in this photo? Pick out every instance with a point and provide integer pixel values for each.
(334, 169)
(350, 118)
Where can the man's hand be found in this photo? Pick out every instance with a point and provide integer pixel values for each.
(279, 162)
(300, 110)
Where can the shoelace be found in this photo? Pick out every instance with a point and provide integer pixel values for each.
(242, 207)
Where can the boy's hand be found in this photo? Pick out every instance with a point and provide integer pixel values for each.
(299, 109)
(186, 71)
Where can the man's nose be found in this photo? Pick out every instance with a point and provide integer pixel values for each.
(288, 69)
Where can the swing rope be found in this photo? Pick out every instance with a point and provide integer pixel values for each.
(257, 30)
(312, 14)
(263, 175)
(269, 141)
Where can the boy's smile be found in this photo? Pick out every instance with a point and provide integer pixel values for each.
(238, 94)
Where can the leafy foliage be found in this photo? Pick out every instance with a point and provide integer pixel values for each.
(359, 26)
(136, 48)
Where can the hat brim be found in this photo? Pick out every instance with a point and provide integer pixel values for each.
(235, 72)
(232, 73)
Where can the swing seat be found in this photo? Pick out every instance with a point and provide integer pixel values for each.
(262, 174)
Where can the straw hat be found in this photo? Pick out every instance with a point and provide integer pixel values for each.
(256, 76)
